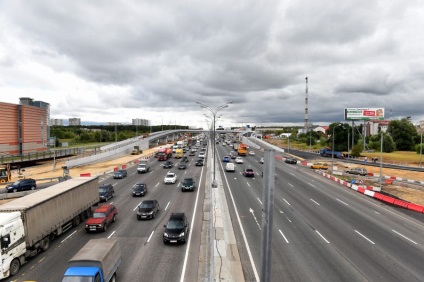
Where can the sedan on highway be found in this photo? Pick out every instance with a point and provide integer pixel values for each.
(147, 209)
(319, 165)
(120, 173)
(199, 162)
(139, 189)
(226, 159)
(252, 153)
(182, 165)
(248, 172)
(290, 161)
(357, 171)
(239, 160)
(168, 164)
(170, 178)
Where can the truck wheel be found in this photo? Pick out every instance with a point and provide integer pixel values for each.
(15, 265)
(2, 180)
(76, 221)
(45, 244)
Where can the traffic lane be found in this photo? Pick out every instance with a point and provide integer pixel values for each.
(337, 221)
(160, 262)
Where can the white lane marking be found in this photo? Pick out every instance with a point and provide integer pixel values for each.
(248, 183)
(157, 184)
(365, 237)
(115, 184)
(259, 200)
(167, 205)
(111, 234)
(376, 212)
(314, 202)
(134, 172)
(281, 211)
(405, 237)
(342, 202)
(288, 219)
(136, 206)
(292, 173)
(286, 201)
(322, 237)
(70, 235)
(191, 229)
(312, 184)
(151, 234)
(253, 214)
(287, 241)
(291, 185)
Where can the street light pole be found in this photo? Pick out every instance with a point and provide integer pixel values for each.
(421, 147)
(214, 112)
(332, 153)
(381, 157)
(54, 155)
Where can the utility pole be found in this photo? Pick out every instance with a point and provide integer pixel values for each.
(306, 105)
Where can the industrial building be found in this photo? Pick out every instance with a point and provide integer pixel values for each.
(25, 127)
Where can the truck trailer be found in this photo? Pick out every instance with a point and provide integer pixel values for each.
(143, 165)
(327, 152)
(98, 261)
(27, 224)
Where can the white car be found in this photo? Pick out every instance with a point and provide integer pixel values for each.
(202, 155)
(170, 178)
(251, 153)
(239, 160)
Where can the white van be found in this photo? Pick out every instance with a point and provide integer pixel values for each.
(230, 167)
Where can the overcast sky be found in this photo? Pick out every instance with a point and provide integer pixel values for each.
(111, 61)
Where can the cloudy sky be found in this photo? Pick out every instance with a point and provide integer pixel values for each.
(111, 61)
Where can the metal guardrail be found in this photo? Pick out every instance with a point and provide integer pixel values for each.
(10, 159)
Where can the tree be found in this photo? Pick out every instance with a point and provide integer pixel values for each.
(388, 144)
(356, 151)
(403, 133)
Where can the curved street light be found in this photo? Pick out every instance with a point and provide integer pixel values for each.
(214, 112)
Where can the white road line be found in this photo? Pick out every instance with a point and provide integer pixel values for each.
(322, 237)
(286, 201)
(167, 206)
(70, 235)
(136, 206)
(134, 172)
(281, 211)
(292, 174)
(111, 234)
(248, 183)
(288, 219)
(312, 184)
(151, 234)
(376, 212)
(405, 237)
(157, 184)
(191, 230)
(291, 185)
(365, 237)
(115, 184)
(287, 241)
(259, 200)
(314, 202)
(342, 202)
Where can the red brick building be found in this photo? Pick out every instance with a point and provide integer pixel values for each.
(24, 127)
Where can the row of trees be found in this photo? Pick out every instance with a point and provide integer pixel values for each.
(103, 133)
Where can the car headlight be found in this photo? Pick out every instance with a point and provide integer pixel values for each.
(100, 225)
(86, 226)
(150, 212)
(181, 234)
(165, 234)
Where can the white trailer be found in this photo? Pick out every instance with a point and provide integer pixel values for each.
(28, 224)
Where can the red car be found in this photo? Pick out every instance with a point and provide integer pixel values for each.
(248, 172)
(102, 217)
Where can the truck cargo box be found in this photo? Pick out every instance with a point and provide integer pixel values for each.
(46, 210)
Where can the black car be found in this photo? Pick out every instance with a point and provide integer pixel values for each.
(22, 185)
(182, 165)
(248, 172)
(188, 184)
(106, 192)
(148, 209)
(120, 173)
(139, 189)
(184, 159)
(291, 161)
(168, 164)
(177, 228)
(199, 162)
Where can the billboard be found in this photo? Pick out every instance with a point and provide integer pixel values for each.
(364, 113)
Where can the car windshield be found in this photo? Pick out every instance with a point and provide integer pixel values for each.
(175, 224)
(17, 182)
(249, 170)
(148, 205)
(99, 215)
(102, 189)
(138, 187)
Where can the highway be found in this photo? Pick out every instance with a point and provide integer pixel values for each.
(145, 257)
(322, 231)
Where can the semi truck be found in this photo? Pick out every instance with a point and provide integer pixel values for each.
(179, 153)
(328, 152)
(27, 224)
(164, 154)
(98, 261)
(143, 165)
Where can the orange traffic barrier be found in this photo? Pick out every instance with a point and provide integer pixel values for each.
(389, 181)
(115, 169)
(388, 199)
(379, 196)
(361, 190)
(85, 174)
(415, 207)
(124, 166)
(401, 203)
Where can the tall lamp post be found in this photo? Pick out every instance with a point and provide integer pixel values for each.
(214, 112)
(421, 144)
(332, 151)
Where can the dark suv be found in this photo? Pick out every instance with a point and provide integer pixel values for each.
(22, 185)
(148, 209)
(120, 173)
(177, 228)
(188, 184)
(139, 189)
(106, 192)
(102, 217)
